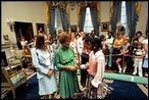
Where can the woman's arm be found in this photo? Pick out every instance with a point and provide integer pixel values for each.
(36, 64)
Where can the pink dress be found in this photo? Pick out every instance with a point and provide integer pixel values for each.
(92, 65)
(96, 67)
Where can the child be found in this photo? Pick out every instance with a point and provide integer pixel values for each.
(139, 53)
(125, 51)
(118, 43)
(96, 66)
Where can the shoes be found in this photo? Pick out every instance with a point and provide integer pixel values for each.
(124, 70)
(95, 84)
(134, 73)
(99, 97)
(56, 96)
(140, 75)
(45, 97)
(146, 75)
(120, 70)
(82, 89)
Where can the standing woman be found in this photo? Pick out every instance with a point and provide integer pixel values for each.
(43, 61)
(65, 56)
(109, 43)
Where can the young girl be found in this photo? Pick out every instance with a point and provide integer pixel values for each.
(139, 54)
(96, 66)
(118, 43)
(125, 51)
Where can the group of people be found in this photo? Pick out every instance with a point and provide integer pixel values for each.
(76, 57)
(81, 58)
(137, 51)
(121, 51)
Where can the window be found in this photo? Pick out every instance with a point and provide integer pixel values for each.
(88, 27)
(123, 19)
(58, 22)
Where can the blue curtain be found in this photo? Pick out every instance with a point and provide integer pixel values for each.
(132, 18)
(82, 18)
(52, 21)
(94, 16)
(65, 24)
(115, 16)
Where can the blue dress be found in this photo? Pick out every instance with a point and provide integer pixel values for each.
(43, 61)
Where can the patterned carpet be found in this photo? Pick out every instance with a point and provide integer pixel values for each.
(119, 90)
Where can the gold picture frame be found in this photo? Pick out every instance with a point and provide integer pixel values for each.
(104, 26)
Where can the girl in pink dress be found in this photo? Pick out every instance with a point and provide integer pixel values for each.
(96, 67)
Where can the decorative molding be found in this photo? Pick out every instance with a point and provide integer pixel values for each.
(82, 4)
(93, 4)
(58, 4)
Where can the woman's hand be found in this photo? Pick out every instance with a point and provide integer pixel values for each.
(50, 72)
(66, 67)
(77, 66)
(72, 68)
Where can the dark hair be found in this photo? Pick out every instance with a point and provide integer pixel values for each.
(93, 31)
(110, 33)
(140, 44)
(97, 42)
(76, 35)
(87, 39)
(102, 37)
(40, 44)
(139, 32)
(135, 39)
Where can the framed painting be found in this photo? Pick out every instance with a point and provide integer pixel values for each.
(104, 26)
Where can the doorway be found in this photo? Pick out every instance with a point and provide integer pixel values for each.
(24, 29)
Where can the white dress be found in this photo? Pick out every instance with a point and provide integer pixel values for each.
(145, 63)
(100, 68)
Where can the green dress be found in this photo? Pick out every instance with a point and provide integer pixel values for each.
(68, 83)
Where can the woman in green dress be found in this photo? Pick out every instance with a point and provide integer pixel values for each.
(68, 83)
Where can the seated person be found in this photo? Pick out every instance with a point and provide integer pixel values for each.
(27, 55)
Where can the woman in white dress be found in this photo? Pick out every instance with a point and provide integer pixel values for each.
(43, 61)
